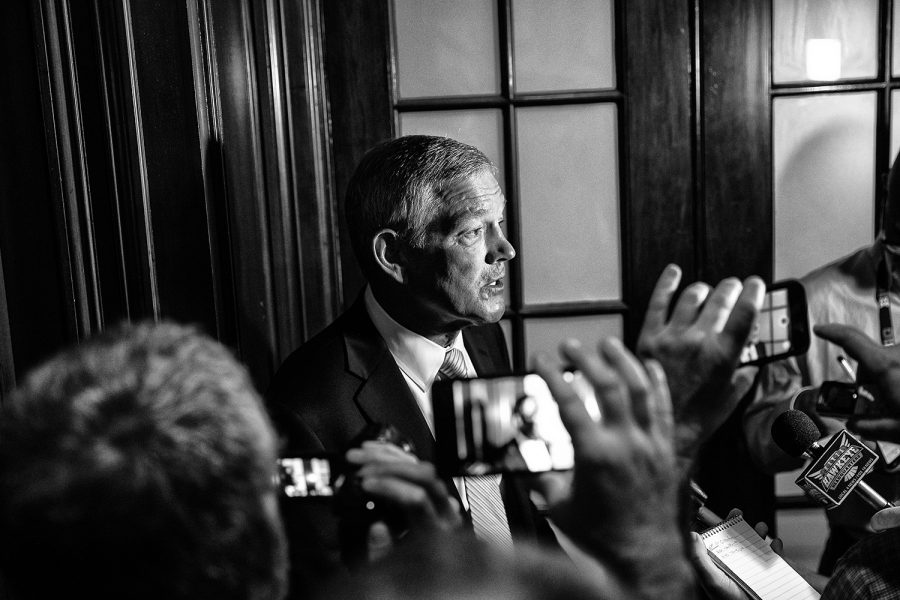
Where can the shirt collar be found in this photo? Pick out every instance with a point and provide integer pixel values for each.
(417, 356)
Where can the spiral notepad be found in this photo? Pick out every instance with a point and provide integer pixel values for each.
(747, 559)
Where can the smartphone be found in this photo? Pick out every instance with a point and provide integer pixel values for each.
(842, 400)
(782, 327)
(310, 476)
(504, 424)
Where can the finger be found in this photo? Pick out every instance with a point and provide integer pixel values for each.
(711, 577)
(572, 412)
(379, 541)
(742, 380)
(633, 375)
(411, 498)
(608, 387)
(777, 546)
(553, 486)
(858, 345)
(420, 475)
(372, 451)
(887, 518)
(761, 529)
(743, 316)
(658, 308)
(719, 304)
(885, 429)
(660, 406)
(734, 512)
(689, 303)
(698, 550)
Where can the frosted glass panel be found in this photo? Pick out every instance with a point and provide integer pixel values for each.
(895, 42)
(569, 199)
(446, 48)
(895, 125)
(544, 335)
(824, 174)
(563, 45)
(837, 39)
(480, 128)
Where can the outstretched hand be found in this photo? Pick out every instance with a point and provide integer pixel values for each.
(699, 346)
(623, 502)
(878, 365)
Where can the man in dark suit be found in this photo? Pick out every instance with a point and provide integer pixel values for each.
(425, 216)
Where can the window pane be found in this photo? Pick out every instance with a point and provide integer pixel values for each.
(824, 173)
(563, 45)
(895, 42)
(844, 34)
(480, 128)
(895, 125)
(545, 334)
(446, 48)
(569, 199)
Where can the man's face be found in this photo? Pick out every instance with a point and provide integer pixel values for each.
(459, 273)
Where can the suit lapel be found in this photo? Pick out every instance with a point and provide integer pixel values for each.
(385, 398)
(487, 350)
(383, 395)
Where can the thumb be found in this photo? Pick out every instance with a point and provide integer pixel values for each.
(887, 518)
(858, 345)
(379, 541)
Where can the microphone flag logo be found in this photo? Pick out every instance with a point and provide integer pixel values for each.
(832, 476)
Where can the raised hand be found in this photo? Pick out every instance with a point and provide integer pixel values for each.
(622, 507)
(699, 346)
(878, 365)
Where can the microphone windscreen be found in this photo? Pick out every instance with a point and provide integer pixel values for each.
(794, 432)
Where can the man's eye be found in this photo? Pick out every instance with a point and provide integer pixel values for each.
(472, 234)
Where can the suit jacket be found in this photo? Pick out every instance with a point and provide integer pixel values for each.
(345, 378)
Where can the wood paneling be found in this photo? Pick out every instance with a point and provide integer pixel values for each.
(38, 298)
(737, 146)
(185, 173)
(736, 222)
(357, 65)
(659, 138)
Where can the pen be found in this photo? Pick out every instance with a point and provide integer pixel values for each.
(847, 368)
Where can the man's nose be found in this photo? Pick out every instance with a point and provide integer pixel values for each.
(500, 249)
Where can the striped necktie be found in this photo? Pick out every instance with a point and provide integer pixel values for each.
(482, 491)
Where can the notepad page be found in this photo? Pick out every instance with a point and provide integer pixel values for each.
(749, 558)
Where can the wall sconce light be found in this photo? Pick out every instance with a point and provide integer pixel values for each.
(823, 59)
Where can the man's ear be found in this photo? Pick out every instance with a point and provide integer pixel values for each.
(389, 256)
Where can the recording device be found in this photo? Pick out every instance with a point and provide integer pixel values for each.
(842, 400)
(504, 424)
(317, 476)
(328, 478)
(836, 469)
(782, 327)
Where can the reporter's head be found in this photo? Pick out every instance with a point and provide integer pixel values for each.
(139, 465)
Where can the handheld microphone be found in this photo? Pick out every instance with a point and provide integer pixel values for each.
(797, 435)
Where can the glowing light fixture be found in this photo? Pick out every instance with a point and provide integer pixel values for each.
(823, 59)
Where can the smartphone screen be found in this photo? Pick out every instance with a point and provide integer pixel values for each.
(503, 425)
(315, 476)
(782, 328)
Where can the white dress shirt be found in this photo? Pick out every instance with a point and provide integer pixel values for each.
(419, 360)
